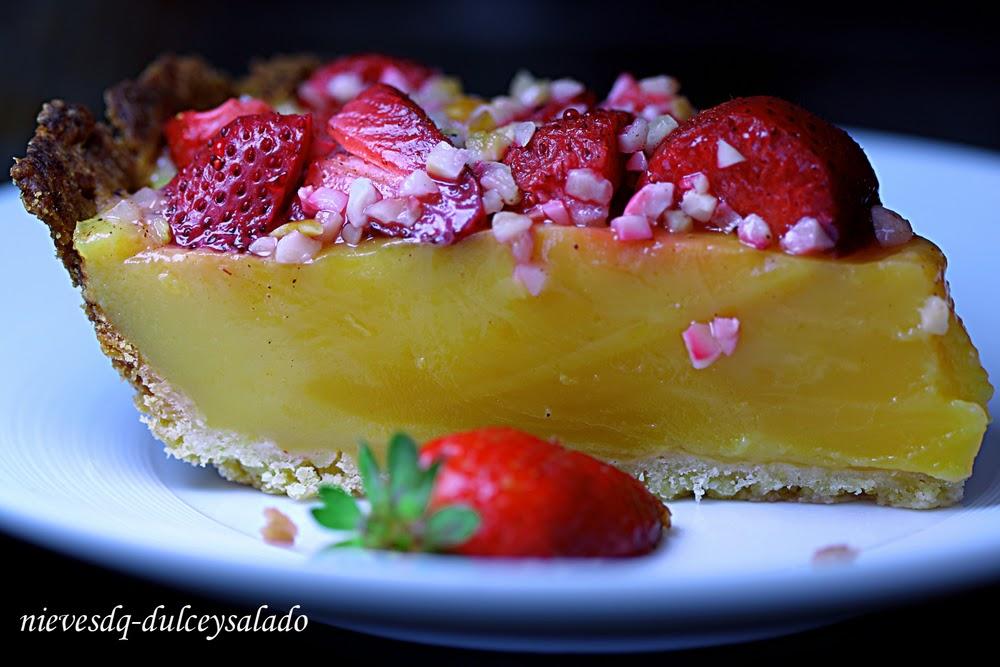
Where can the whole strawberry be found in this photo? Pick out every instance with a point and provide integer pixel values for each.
(238, 186)
(767, 157)
(498, 492)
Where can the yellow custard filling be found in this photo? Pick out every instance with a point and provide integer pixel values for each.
(836, 364)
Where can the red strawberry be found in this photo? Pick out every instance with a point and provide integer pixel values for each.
(495, 492)
(796, 165)
(237, 187)
(386, 137)
(332, 85)
(574, 141)
(386, 128)
(190, 131)
(536, 498)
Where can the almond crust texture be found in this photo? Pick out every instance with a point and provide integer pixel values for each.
(76, 164)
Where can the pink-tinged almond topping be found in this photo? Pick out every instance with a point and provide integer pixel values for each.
(637, 162)
(754, 231)
(508, 226)
(702, 347)
(633, 138)
(678, 222)
(400, 210)
(564, 90)
(557, 212)
(806, 237)
(659, 128)
(631, 228)
(724, 218)
(891, 229)
(332, 223)
(318, 199)
(419, 184)
(263, 246)
(492, 202)
(532, 276)
(707, 342)
(589, 186)
(361, 195)
(522, 248)
(651, 201)
(726, 330)
(727, 155)
(497, 176)
(699, 206)
(278, 529)
(446, 162)
(697, 181)
(296, 248)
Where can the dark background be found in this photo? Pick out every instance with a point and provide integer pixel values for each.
(933, 72)
(895, 66)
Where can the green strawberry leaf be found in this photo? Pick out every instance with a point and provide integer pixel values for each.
(450, 526)
(399, 518)
(371, 477)
(339, 510)
(355, 541)
(412, 503)
(404, 470)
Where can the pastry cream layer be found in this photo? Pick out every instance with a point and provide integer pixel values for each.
(832, 369)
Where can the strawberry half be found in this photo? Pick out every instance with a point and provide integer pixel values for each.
(190, 131)
(576, 141)
(236, 188)
(536, 498)
(786, 164)
(342, 80)
(385, 137)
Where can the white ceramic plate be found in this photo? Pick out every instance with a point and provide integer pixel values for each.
(79, 473)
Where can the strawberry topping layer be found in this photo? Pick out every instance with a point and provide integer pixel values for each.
(767, 157)
(393, 148)
(237, 188)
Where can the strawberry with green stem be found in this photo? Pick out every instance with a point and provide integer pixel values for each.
(398, 518)
(497, 492)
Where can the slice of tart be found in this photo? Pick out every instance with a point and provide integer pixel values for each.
(718, 304)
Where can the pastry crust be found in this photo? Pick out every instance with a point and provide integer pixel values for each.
(75, 164)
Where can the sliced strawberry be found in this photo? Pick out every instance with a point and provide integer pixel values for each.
(238, 186)
(574, 141)
(385, 136)
(190, 131)
(338, 82)
(794, 165)
(648, 98)
(385, 127)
